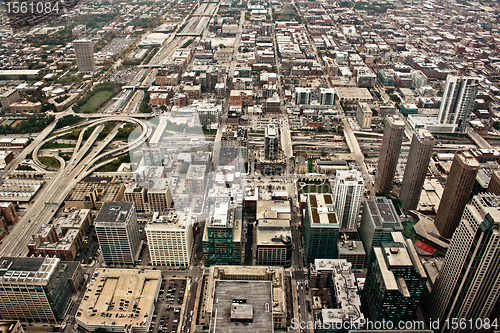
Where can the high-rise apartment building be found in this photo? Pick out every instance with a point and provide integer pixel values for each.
(348, 191)
(170, 238)
(468, 285)
(34, 290)
(457, 193)
(416, 168)
(222, 236)
(118, 233)
(302, 96)
(395, 281)
(84, 51)
(458, 101)
(271, 147)
(394, 132)
(378, 221)
(321, 228)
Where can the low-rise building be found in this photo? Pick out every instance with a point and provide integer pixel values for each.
(89, 195)
(120, 300)
(249, 294)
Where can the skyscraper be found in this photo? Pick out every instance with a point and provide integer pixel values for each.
(395, 281)
(348, 190)
(378, 221)
(271, 147)
(468, 285)
(389, 153)
(321, 228)
(222, 236)
(456, 193)
(84, 51)
(170, 238)
(416, 168)
(33, 290)
(458, 101)
(118, 233)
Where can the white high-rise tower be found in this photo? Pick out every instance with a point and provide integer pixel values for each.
(458, 101)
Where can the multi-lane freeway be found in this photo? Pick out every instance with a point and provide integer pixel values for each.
(55, 191)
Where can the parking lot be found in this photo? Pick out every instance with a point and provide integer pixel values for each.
(166, 316)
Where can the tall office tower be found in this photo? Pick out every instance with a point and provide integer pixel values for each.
(395, 281)
(378, 221)
(494, 185)
(458, 101)
(321, 228)
(327, 96)
(34, 290)
(118, 233)
(222, 236)
(457, 193)
(468, 285)
(348, 191)
(170, 238)
(271, 147)
(302, 96)
(394, 132)
(416, 168)
(84, 51)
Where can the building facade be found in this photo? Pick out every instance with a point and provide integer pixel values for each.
(118, 233)
(34, 290)
(378, 221)
(468, 285)
(348, 192)
(457, 193)
(222, 236)
(84, 51)
(170, 239)
(416, 168)
(395, 281)
(271, 147)
(321, 228)
(389, 153)
(458, 101)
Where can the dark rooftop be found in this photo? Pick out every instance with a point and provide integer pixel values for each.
(18, 264)
(383, 213)
(114, 212)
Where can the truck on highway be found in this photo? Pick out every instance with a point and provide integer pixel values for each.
(55, 150)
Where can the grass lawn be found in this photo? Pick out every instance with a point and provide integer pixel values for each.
(316, 189)
(50, 161)
(53, 145)
(310, 165)
(96, 101)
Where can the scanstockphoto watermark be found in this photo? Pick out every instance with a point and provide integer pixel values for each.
(361, 323)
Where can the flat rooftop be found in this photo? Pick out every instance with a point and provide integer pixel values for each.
(272, 232)
(126, 296)
(383, 213)
(362, 94)
(29, 270)
(196, 172)
(257, 294)
(173, 220)
(114, 212)
(322, 210)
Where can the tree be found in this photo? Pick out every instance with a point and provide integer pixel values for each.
(496, 125)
